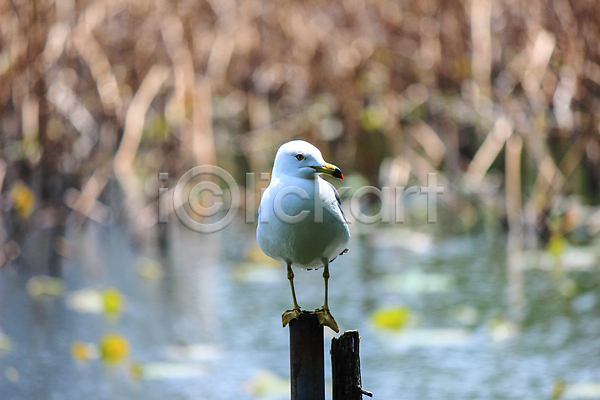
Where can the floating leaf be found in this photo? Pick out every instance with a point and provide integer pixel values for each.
(267, 384)
(194, 352)
(558, 388)
(79, 350)
(136, 370)
(582, 390)
(114, 348)
(12, 374)
(149, 269)
(5, 343)
(501, 328)
(418, 242)
(257, 272)
(391, 318)
(82, 351)
(417, 281)
(112, 301)
(164, 370)
(85, 301)
(256, 255)
(466, 315)
(39, 286)
(428, 337)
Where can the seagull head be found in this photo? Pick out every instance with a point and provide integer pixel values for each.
(301, 159)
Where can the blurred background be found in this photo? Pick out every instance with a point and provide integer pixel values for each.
(499, 299)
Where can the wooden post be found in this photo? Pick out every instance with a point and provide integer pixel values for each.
(307, 365)
(345, 365)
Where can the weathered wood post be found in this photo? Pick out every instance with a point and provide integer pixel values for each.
(307, 364)
(345, 365)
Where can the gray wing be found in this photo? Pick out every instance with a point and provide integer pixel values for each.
(339, 200)
(339, 204)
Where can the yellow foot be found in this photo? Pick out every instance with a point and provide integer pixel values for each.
(289, 315)
(325, 318)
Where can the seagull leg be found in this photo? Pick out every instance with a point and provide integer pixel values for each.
(325, 317)
(295, 312)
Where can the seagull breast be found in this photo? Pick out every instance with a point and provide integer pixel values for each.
(319, 229)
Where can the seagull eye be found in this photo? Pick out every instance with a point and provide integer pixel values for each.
(299, 157)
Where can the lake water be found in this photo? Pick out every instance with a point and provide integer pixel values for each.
(203, 319)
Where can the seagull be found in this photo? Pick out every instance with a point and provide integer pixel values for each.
(300, 218)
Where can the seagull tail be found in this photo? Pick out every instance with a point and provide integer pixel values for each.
(341, 254)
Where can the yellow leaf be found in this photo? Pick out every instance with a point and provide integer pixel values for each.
(391, 317)
(558, 388)
(136, 370)
(112, 301)
(256, 255)
(267, 384)
(42, 285)
(114, 348)
(149, 269)
(79, 351)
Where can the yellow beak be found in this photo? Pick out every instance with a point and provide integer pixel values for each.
(330, 169)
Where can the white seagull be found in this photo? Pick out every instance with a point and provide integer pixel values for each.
(300, 220)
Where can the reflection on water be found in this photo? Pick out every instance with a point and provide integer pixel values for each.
(203, 320)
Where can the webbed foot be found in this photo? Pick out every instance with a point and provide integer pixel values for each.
(326, 319)
(289, 315)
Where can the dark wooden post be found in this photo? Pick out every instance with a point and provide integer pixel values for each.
(307, 364)
(345, 365)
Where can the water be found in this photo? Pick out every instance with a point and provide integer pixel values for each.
(210, 328)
